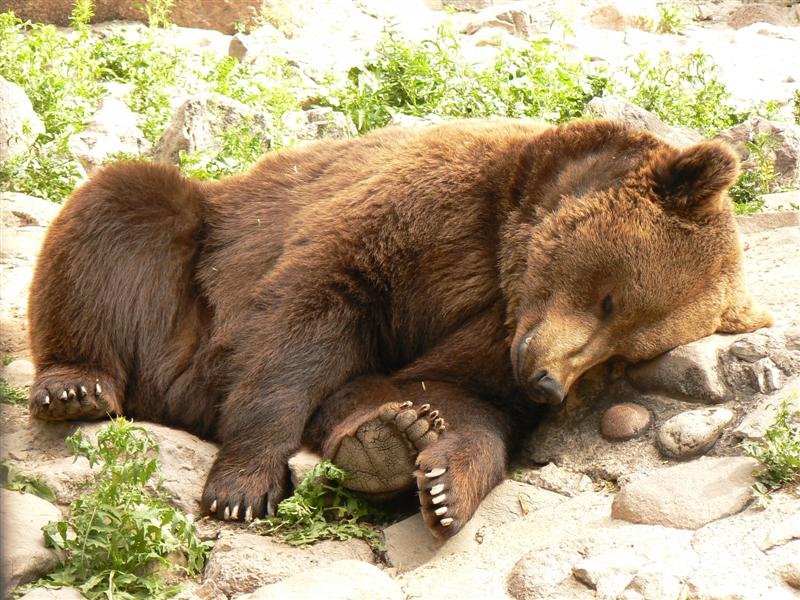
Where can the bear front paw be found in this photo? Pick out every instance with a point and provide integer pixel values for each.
(238, 490)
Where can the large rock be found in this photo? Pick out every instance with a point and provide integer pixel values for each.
(37, 448)
(200, 122)
(243, 562)
(112, 129)
(515, 19)
(19, 124)
(317, 124)
(21, 210)
(730, 561)
(25, 557)
(762, 13)
(786, 150)
(410, 544)
(690, 372)
(222, 15)
(619, 109)
(688, 495)
(342, 580)
(755, 424)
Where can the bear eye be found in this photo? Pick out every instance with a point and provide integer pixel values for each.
(607, 306)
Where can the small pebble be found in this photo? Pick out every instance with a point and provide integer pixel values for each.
(625, 421)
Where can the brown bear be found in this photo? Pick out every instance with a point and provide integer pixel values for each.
(394, 301)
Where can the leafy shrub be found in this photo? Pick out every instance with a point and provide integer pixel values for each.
(119, 536)
(686, 92)
(671, 18)
(778, 452)
(433, 77)
(322, 509)
(757, 180)
(796, 99)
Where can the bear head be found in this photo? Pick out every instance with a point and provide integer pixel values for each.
(630, 249)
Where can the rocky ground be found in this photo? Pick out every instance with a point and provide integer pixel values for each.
(635, 488)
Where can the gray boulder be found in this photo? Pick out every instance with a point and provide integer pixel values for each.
(244, 562)
(200, 122)
(619, 109)
(111, 130)
(25, 556)
(318, 123)
(19, 124)
(342, 580)
(785, 151)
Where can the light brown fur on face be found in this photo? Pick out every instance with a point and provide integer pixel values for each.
(489, 260)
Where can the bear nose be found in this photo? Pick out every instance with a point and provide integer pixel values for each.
(546, 387)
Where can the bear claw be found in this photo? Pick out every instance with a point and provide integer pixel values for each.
(213, 507)
(446, 522)
(442, 510)
(439, 499)
(437, 472)
(437, 489)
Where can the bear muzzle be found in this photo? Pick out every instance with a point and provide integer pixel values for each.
(542, 386)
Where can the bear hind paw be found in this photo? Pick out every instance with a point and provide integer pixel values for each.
(381, 453)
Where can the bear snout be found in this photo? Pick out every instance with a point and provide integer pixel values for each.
(544, 388)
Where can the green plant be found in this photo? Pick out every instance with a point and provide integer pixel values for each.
(120, 537)
(322, 509)
(686, 92)
(796, 100)
(434, 77)
(48, 170)
(778, 451)
(758, 179)
(157, 12)
(56, 72)
(12, 479)
(671, 18)
(268, 86)
(12, 395)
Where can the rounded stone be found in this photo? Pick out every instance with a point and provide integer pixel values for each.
(791, 573)
(693, 432)
(625, 421)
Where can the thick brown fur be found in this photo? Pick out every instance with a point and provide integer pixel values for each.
(487, 259)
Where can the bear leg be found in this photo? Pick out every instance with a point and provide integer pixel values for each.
(70, 392)
(410, 438)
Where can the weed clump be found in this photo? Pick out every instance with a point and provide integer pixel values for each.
(322, 509)
(120, 537)
(778, 451)
(759, 179)
(434, 77)
(12, 395)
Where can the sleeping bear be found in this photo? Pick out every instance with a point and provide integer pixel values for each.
(397, 302)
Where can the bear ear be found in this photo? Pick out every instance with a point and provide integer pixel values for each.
(691, 181)
(743, 318)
